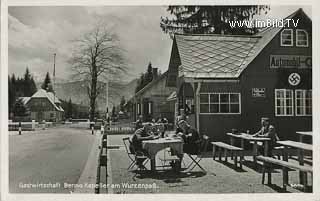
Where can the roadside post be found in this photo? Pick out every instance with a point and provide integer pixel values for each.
(92, 127)
(20, 128)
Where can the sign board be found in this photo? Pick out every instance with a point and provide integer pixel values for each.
(290, 61)
(258, 92)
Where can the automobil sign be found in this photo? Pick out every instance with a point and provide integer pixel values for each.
(290, 61)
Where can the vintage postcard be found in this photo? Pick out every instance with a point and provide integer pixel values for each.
(201, 99)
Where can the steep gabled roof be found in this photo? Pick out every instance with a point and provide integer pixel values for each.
(41, 93)
(222, 56)
(153, 82)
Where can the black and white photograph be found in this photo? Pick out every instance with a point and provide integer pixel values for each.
(160, 99)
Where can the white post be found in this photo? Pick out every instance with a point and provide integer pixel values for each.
(44, 125)
(33, 125)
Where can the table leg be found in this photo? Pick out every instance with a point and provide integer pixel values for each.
(153, 164)
(232, 143)
(266, 143)
(242, 143)
(301, 138)
(301, 162)
(255, 151)
(285, 170)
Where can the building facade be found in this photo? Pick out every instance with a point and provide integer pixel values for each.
(151, 101)
(226, 81)
(46, 106)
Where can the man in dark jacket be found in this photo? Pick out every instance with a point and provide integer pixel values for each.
(269, 131)
(190, 136)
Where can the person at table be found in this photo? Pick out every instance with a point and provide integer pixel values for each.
(144, 133)
(190, 136)
(139, 123)
(267, 130)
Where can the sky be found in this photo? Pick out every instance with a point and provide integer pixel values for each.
(36, 33)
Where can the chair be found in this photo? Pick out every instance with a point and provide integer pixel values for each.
(197, 157)
(134, 156)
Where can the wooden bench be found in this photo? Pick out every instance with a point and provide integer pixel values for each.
(226, 148)
(285, 165)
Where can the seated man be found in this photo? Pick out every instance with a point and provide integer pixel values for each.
(139, 135)
(190, 136)
(139, 123)
(267, 130)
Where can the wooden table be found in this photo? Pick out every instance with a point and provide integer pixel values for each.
(304, 133)
(245, 136)
(154, 146)
(301, 148)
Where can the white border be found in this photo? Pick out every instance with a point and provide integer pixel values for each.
(217, 197)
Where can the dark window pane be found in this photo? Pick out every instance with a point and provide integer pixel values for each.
(214, 108)
(224, 108)
(224, 98)
(234, 98)
(234, 108)
(214, 98)
(288, 102)
(204, 108)
(308, 102)
(309, 94)
(299, 110)
(204, 98)
(308, 110)
(289, 110)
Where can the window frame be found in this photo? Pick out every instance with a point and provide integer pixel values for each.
(285, 104)
(219, 103)
(307, 38)
(304, 91)
(281, 41)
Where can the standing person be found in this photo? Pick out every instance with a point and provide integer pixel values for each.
(139, 122)
(267, 130)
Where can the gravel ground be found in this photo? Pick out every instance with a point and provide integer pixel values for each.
(220, 177)
(55, 155)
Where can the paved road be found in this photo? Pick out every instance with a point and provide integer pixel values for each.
(56, 156)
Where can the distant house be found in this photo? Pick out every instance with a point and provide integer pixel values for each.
(151, 101)
(44, 105)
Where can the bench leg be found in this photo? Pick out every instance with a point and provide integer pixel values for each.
(219, 150)
(235, 160)
(263, 173)
(225, 155)
(213, 152)
(241, 159)
(285, 177)
(305, 181)
(269, 175)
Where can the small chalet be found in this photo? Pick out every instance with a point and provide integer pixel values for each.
(45, 105)
(151, 101)
(230, 81)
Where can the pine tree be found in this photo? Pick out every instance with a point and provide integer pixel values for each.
(33, 86)
(27, 84)
(69, 109)
(149, 74)
(47, 85)
(209, 19)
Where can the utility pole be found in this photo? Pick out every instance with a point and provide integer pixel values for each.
(107, 99)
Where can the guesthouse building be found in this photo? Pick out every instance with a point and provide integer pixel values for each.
(229, 82)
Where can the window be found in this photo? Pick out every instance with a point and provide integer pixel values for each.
(287, 37)
(301, 38)
(220, 103)
(138, 109)
(284, 102)
(303, 102)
